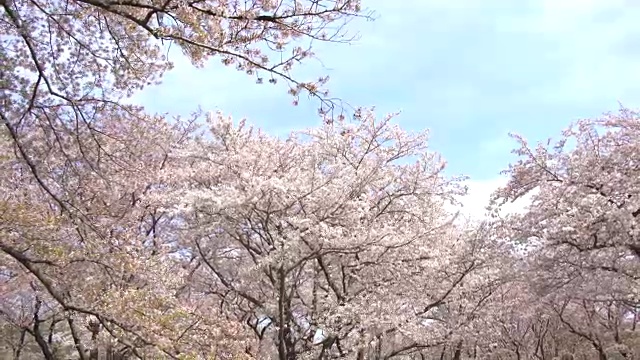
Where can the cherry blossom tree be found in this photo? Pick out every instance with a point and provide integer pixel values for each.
(92, 279)
(68, 65)
(65, 62)
(80, 249)
(333, 242)
(75, 53)
(529, 325)
(584, 262)
(138, 236)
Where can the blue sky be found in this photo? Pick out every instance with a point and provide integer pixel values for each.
(469, 70)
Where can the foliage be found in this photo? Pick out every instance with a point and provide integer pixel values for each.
(333, 236)
(81, 252)
(582, 228)
(126, 235)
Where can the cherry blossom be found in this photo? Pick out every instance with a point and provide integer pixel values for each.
(330, 241)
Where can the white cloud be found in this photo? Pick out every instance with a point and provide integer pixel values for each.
(477, 199)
